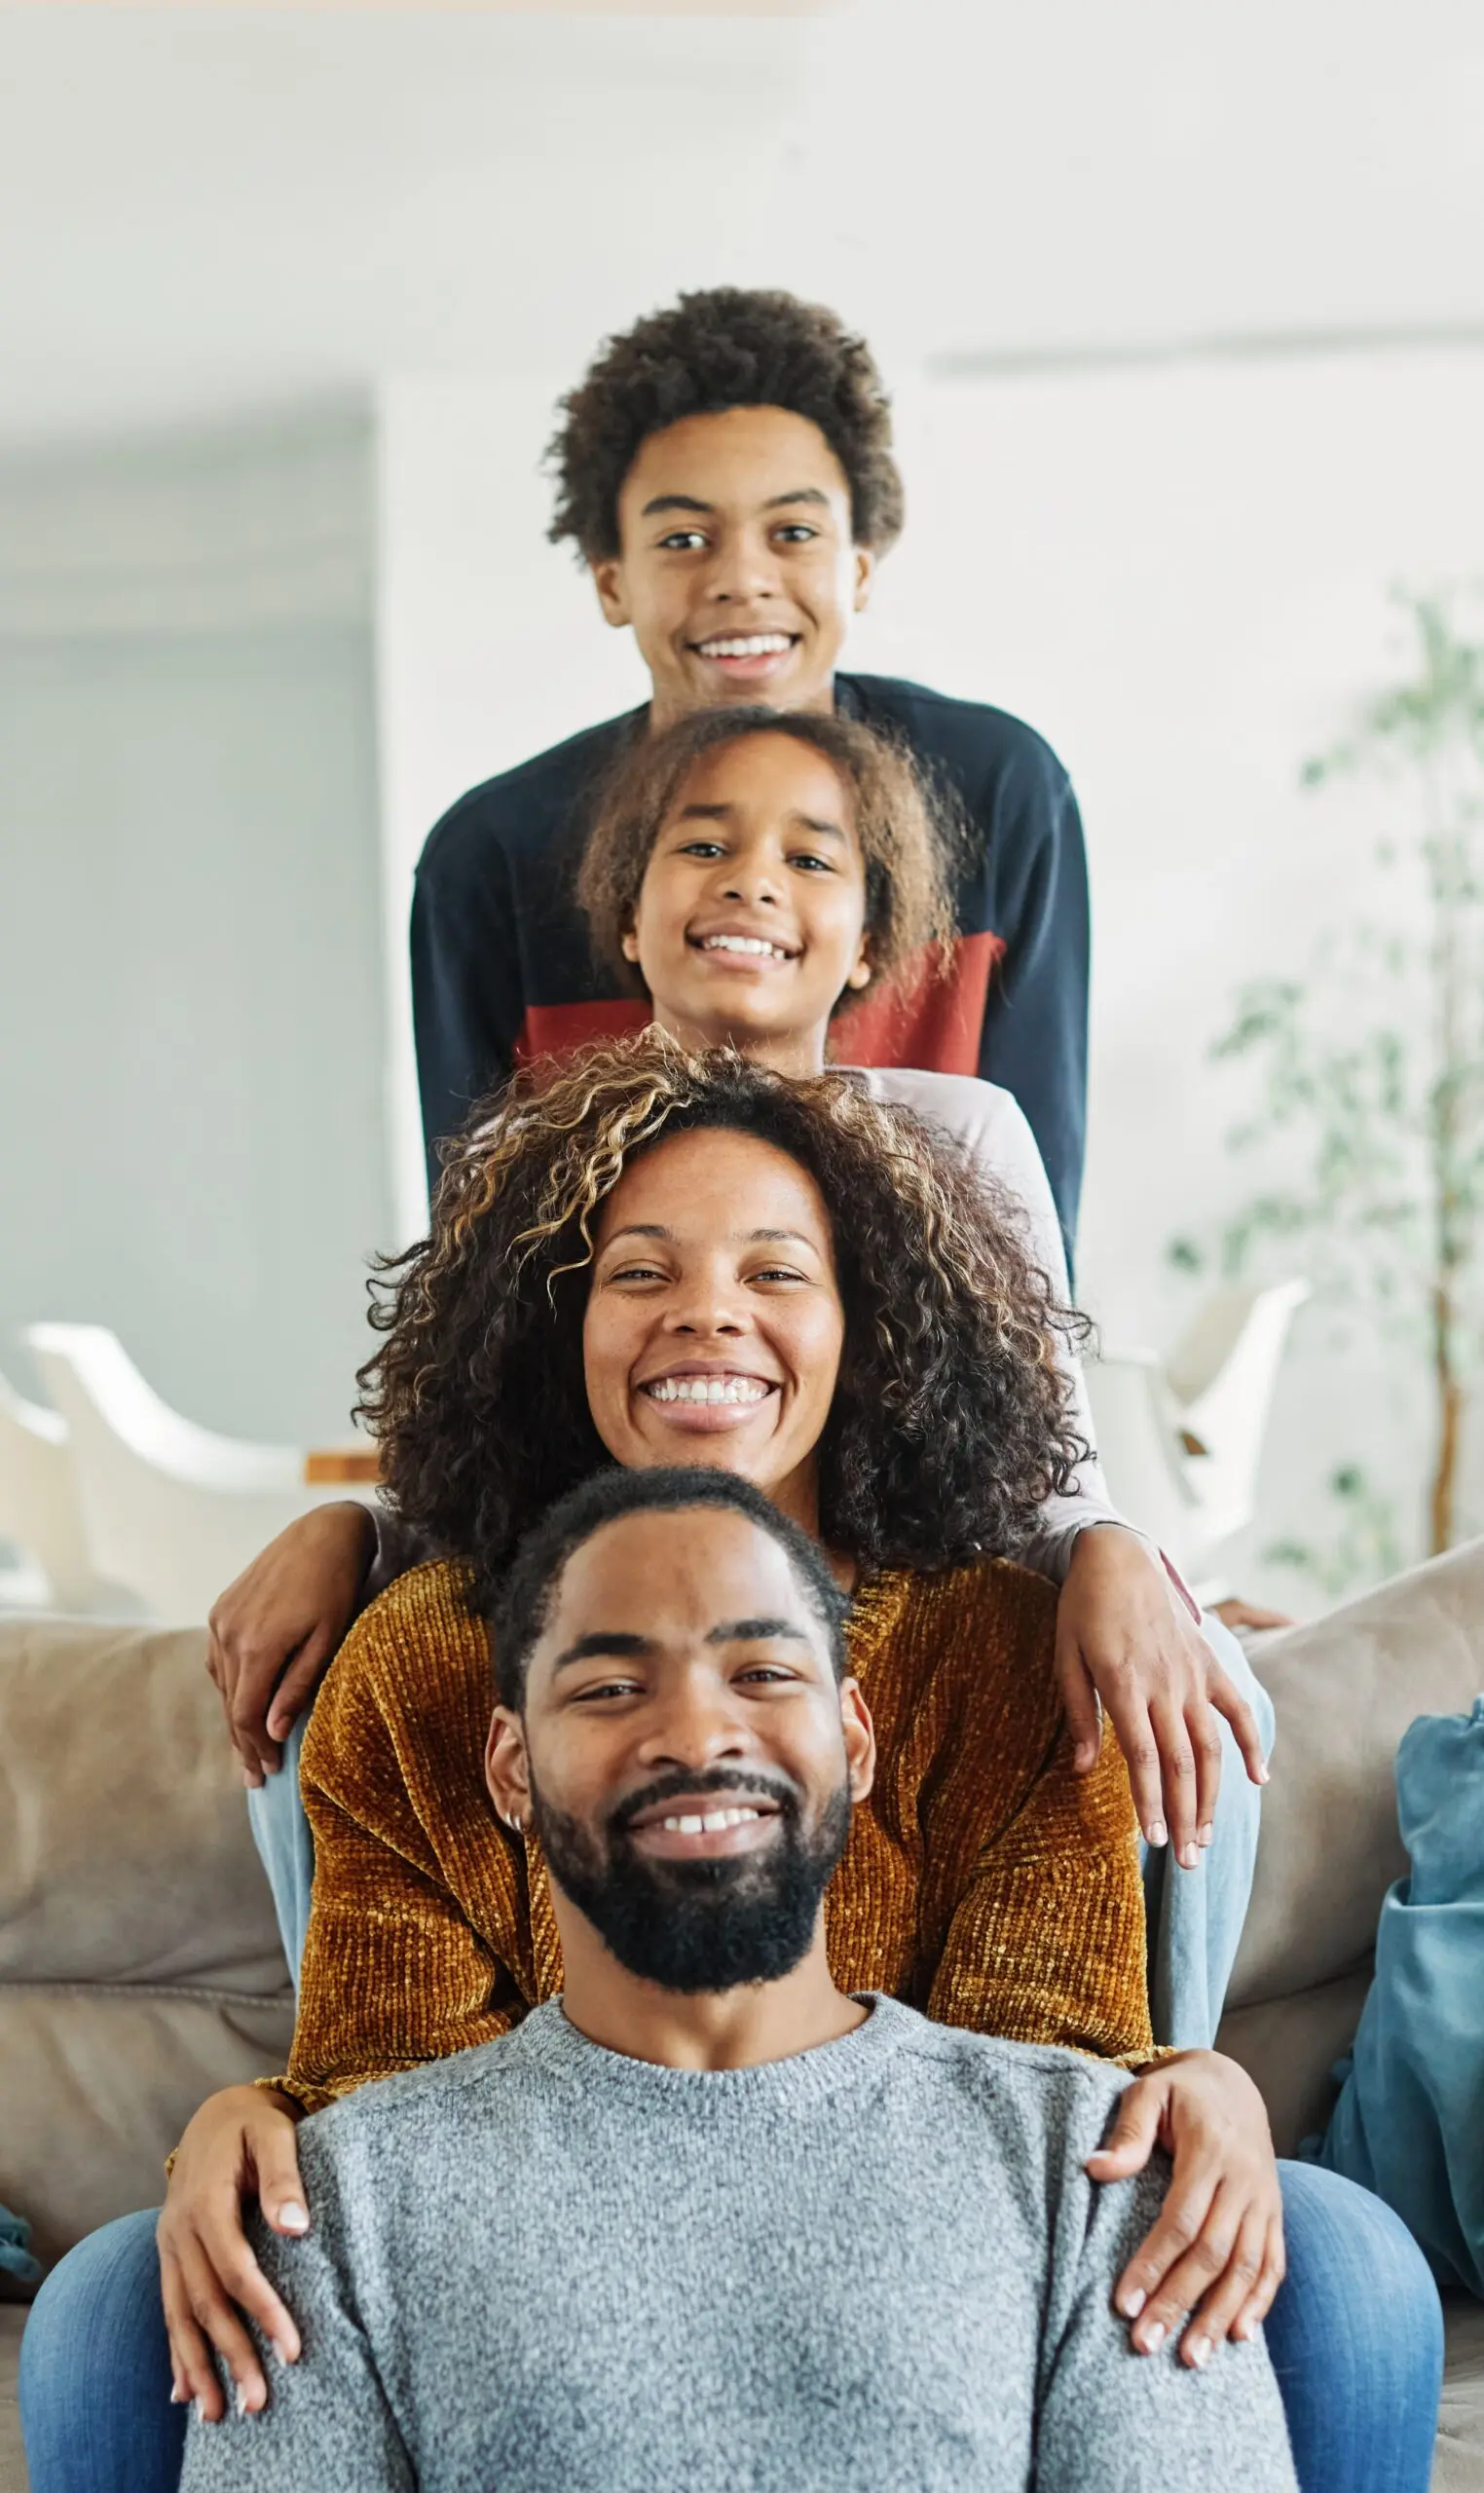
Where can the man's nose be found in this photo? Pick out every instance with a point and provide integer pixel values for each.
(744, 567)
(695, 1725)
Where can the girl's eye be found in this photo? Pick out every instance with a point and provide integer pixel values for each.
(814, 864)
(709, 849)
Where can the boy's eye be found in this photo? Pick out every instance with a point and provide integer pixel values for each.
(680, 539)
(797, 532)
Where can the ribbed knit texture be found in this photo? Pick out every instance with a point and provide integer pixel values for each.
(876, 2267)
(984, 1882)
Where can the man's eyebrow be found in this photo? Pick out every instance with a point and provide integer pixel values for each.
(673, 502)
(613, 1644)
(752, 1631)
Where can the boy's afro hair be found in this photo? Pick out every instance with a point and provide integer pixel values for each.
(729, 347)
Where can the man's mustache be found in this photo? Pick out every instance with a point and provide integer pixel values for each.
(784, 1796)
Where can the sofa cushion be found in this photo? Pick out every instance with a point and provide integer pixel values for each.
(1344, 1691)
(139, 1960)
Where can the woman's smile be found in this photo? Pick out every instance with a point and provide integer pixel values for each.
(702, 1399)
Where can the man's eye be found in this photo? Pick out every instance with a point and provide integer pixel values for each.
(610, 1688)
(772, 1674)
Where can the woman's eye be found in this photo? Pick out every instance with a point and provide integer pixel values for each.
(637, 1272)
(777, 1273)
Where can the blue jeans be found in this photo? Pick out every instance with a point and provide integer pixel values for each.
(1355, 2336)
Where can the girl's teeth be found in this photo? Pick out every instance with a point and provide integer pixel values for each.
(744, 944)
(707, 1388)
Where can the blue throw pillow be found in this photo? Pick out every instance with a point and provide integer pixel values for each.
(1409, 2123)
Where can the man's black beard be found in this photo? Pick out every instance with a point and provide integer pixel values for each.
(699, 1925)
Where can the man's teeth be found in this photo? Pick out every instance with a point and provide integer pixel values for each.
(756, 645)
(713, 1822)
(754, 943)
(707, 1388)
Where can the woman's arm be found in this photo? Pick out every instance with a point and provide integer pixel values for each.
(419, 1938)
(273, 1633)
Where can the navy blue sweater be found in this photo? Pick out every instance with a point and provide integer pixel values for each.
(501, 970)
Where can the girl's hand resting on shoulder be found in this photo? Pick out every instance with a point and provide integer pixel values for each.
(239, 2145)
(273, 1632)
(1124, 1637)
(1215, 2260)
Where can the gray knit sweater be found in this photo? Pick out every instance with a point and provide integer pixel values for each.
(539, 2267)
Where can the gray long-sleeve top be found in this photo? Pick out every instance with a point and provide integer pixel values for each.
(543, 2267)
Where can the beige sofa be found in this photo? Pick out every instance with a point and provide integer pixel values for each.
(139, 1967)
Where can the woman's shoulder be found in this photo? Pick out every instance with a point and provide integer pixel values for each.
(417, 1649)
(991, 1606)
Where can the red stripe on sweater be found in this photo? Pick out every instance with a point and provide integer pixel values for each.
(923, 1020)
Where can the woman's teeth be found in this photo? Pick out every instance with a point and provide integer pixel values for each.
(754, 944)
(715, 1822)
(707, 1388)
(756, 645)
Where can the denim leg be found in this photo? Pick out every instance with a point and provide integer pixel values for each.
(95, 2410)
(1195, 1916)
(1355, 2334)
(286, 1847)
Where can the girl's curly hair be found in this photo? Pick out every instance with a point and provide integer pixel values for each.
(729, 346)
(910, 840)
(949, 1424)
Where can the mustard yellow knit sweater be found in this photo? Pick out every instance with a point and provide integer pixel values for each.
(984, 1882)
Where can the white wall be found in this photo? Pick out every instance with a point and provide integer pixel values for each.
(1176, 571)
(191, 1017)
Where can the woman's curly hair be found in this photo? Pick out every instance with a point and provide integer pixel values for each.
(949, 1424)
(909, 839)
(729, 347)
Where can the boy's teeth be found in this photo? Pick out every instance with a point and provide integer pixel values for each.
(754, 943)
(707, 1388)
(715, 1822)
(756, 645)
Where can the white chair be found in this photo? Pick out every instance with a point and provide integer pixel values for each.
(171, 1510)
(39, 1510)
(1181, 1440)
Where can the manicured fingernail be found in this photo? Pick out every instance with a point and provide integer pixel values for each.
(1084, 1755)
(198, 2410)
(1246, 2329)
(281, 2352)
(177, 2394)
(242, 2399)
(1205, 1833)
(1153, 2336)
(1198, 2352)
(292, 2218)
(1262, 1774)
(1190, 1856)
(1157, 1833)
(1133, 2304)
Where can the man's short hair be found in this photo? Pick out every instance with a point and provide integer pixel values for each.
(526, 1596)
(729, 347)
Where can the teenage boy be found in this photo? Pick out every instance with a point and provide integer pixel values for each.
(706, 2220)
(726, 472)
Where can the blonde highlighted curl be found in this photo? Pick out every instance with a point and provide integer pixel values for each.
(950, 1425)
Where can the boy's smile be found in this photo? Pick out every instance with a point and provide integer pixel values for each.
(738, 572)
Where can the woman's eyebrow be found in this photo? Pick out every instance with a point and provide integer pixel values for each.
(780, 1237)
(639, 1229)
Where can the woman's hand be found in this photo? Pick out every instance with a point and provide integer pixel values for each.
(1217, 2250)
(1124, 1636)
(273, 1632)
(239, 2145)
